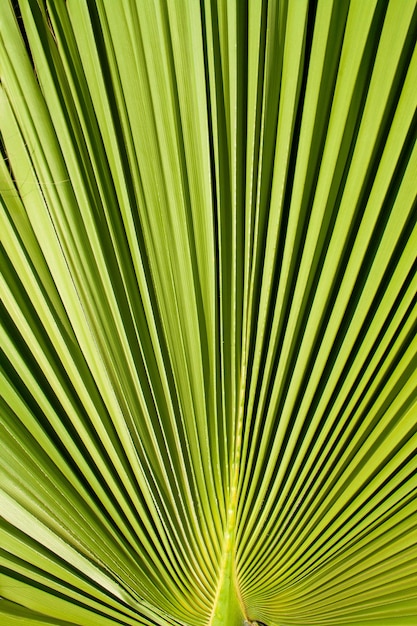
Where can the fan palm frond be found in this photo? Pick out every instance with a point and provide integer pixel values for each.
(209, 407)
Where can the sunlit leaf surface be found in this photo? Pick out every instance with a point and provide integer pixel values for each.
(209, 407)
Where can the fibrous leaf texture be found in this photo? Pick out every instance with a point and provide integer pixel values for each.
(208, 280)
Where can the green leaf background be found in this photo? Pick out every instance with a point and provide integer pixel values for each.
(208, 276)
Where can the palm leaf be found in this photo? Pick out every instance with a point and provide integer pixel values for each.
(209, 312)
